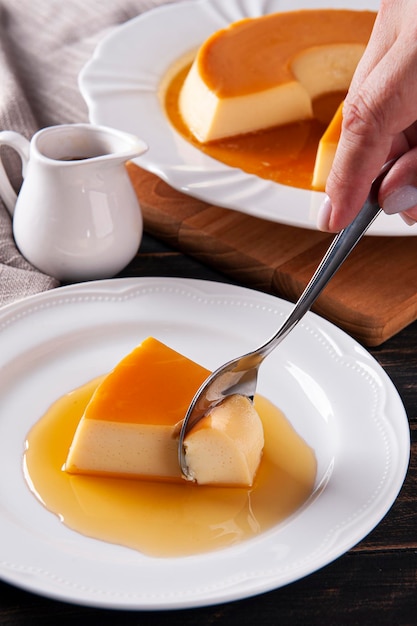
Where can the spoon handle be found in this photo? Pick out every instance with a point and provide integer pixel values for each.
(338, 251)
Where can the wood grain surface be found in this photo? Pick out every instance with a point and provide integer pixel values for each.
(372, 297)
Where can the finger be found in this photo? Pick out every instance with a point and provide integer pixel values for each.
(380, 41)
(409, 218)
(398, 191)
(358, 160)
(373, 118)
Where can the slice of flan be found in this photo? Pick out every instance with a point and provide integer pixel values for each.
(266, 71)
(326, 150)
(131, 425)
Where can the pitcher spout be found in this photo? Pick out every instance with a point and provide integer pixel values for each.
(87, 142)
(121, 146)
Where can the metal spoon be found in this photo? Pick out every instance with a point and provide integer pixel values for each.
(239, 376)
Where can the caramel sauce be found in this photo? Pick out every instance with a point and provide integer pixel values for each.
(166, 519)
(285, 154)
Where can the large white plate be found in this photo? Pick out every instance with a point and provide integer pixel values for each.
(121, 85)
(335, 394)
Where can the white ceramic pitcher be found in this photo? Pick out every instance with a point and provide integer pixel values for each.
(76, 216)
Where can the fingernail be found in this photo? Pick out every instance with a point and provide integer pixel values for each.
(400, 200)
(323, 215)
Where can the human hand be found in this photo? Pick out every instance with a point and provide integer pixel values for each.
(379, 123)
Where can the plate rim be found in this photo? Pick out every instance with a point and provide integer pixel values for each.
(99, 291)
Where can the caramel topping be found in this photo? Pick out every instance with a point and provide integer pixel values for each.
(153, 384)
(232, 62)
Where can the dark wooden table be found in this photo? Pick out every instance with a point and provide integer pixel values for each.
(374, 583)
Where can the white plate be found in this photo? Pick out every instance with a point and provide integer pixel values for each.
(335, 394)
(121, 86)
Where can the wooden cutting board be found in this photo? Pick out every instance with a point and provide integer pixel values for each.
(372, 297)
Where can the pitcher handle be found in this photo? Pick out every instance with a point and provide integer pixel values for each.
(21, 145)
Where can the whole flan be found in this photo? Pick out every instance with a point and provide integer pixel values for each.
(266, 71)
(131, 425)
